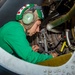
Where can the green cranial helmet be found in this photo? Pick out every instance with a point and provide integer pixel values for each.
(28, 17)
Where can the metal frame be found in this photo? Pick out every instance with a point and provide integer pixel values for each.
(21, 67)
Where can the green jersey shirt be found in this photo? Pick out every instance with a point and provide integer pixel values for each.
(13, 40)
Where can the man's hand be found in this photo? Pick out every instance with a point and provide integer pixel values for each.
(35, 48)
(54, 54)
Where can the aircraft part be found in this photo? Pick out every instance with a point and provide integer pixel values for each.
(61, 19)
(24, 68)
(68, 40)
(49, 40)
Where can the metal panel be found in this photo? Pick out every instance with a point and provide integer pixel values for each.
(24, 68)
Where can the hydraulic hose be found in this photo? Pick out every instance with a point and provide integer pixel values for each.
(68, 40)
(61, 19)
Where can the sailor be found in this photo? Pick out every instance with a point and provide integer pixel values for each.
(13, 34)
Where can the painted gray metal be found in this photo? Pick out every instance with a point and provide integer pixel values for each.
(24, 68)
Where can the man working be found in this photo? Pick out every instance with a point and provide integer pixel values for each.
(13, 34)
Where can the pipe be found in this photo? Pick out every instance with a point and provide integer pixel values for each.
(61, 19)
(45, 42)
(68, 40)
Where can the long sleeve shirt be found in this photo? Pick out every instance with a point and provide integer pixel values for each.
(13, 40)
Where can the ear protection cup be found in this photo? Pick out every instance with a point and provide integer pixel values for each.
(28, 18)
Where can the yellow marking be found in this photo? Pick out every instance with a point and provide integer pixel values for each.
(63, 46)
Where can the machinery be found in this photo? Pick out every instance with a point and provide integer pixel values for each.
(57, 30)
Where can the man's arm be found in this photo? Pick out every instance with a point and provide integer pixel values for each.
(18, 42)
